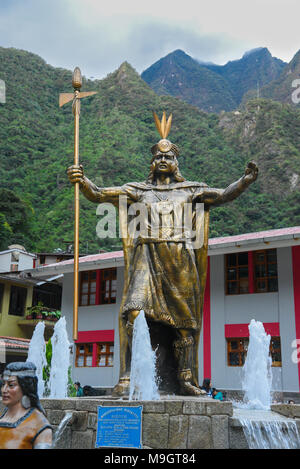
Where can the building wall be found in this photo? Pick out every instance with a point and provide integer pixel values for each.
(240, 309)
(287, 318)
(8, 322)
(94, 318)
(25, 261)
(220, 310)
(5, 260)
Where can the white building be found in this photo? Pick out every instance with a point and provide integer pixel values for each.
(250, 276)
(16, 258)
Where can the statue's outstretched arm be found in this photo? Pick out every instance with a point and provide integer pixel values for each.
(213, 196)
(90, 190)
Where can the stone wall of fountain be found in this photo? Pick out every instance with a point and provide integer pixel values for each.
(173, 423)
(168, 423)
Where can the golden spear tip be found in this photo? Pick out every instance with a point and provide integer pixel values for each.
(77, 78)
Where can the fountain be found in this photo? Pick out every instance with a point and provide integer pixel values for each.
(257, 371)
(37, 354)
(143, 379)
(60, 362)
(262, 428)
(61, 427)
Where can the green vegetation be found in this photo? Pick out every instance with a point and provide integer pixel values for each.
(71, 391)
(179, 75)
(254, 70)
(116, 134)
(213, 88)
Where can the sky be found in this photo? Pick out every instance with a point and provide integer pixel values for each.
(99, 35)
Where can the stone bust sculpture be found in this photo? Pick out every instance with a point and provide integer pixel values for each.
(23, 424)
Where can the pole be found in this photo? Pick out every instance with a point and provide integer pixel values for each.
(63, 99)
(77, 82)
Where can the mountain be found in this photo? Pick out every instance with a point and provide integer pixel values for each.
(211, 87)
(255, 69)
(117, 131)
(282, 89)
(179, 75)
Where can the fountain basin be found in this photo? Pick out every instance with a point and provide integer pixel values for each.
(171, 422)
(176, 422)
(263, 429)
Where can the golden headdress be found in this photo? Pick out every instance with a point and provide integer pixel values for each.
(164, 127)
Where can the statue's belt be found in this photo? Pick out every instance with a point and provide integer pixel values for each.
(167, 239)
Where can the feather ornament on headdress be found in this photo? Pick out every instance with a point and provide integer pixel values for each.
(164, 127)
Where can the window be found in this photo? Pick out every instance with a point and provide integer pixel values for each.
(237, 273)
(84, 355)
(105, 354)
(275, 349)
(108, 286)
(88, 286)
(98, 287)
(237, 351)
(251, 272)
(94, 354)
(49, 294)
(42, 259)
(17, 300)
(265, 271)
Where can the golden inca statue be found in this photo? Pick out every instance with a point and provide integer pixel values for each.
(165, 270)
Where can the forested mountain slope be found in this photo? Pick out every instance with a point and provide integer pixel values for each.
(116, 133)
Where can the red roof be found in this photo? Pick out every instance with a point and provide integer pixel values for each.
(92, 257)
(258, 235)
(15, 342)
(281, 232)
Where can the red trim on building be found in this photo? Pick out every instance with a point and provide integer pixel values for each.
(207, 327)
(98, 280)
(251, 272)
(94, 359)
(95, 336)
(296, 284)
(242, 330)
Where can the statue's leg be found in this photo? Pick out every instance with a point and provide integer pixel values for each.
(184, 353)
(122, 388)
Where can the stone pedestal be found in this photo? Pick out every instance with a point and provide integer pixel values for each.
(170, 423)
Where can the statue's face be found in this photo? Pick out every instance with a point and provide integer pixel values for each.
(11, 391)
(164, 163)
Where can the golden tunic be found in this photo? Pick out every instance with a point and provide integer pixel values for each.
(162, 266)
(164, 275)
(22, 433)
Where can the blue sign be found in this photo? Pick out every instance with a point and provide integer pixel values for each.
(119, 427)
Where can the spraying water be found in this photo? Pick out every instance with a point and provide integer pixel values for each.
(60, 429)
(271, 434)
(37, 354)
(262, 428)
(257, 369)
(143, 379)
(58, 381)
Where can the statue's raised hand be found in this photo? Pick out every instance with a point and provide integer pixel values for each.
(75, 174)
(251, 172)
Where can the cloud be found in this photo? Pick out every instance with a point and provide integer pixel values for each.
(98, 36)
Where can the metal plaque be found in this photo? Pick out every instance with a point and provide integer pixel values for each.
(119, 427)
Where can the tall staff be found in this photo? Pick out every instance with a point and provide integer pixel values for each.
(63, 99)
